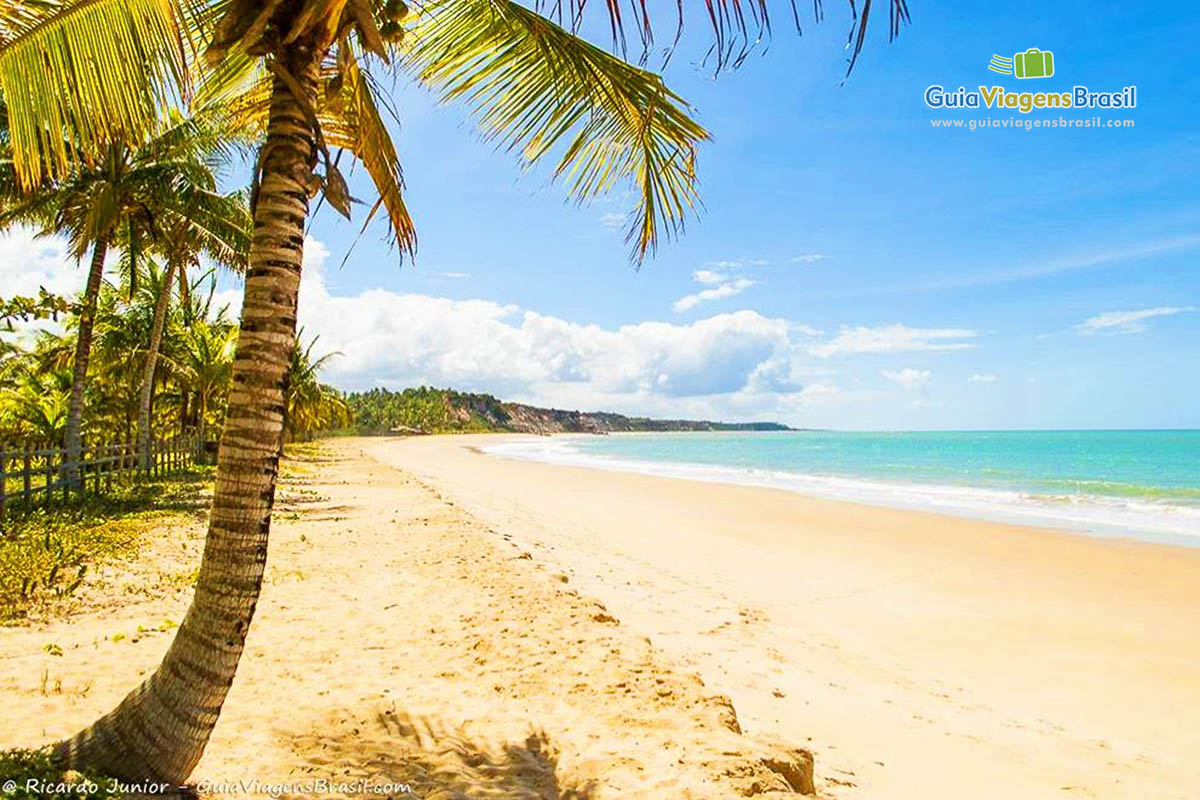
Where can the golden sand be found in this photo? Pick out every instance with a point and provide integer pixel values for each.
(920, 656)
(399, 642)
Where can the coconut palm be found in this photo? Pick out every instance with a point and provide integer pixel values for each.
(303, 71)
(161, 191)
(34, 390)
(217, 226)
(205, 368)
(310, 405)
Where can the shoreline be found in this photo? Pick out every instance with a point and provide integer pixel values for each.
(1093, 516)
(965, 644)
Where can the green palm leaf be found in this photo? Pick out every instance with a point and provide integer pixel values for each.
(360, 129)
(77, 75)
(531, 85)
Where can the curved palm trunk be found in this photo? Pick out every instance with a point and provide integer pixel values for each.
(160, 730)
(156, 334)
(83, 352)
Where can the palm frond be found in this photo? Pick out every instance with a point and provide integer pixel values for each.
(738, 26)
(241, 85)
(78, 75)
(532, 85)
(358, 127)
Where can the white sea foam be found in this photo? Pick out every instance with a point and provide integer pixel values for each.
(1103, 516)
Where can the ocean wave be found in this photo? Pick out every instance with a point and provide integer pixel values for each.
(1105, 509)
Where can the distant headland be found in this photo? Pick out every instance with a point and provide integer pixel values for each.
(429, 410)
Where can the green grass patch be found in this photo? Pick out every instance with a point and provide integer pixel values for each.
(46, 554)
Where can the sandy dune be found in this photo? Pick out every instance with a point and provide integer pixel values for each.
(919, 656)
(401, 642)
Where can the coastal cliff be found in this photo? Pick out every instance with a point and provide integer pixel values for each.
(427, 410)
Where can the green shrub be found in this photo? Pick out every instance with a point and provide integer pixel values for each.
(45, 558)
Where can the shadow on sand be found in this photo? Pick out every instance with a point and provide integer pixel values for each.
(436, 761)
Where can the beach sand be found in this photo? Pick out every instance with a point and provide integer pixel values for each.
(917, 655)
(399, 642)
(481, 627)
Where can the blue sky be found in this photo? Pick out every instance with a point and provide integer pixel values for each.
(865, 270)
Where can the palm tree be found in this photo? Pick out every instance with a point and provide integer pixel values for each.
(162, 190)
(310, 405)
(216, 226)
(35, 386)
(302, 71)
(206, 366)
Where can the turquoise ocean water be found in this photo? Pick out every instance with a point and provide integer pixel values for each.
(1139, 484)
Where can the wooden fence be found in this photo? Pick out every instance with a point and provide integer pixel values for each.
(32, 476)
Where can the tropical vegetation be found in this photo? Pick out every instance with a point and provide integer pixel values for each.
(195, 353)
(194, 356)
(158, 196)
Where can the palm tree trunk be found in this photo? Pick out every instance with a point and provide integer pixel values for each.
(83, 351)
(159, 731)
(156, 334)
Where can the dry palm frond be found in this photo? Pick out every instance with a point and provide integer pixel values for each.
(737, 25)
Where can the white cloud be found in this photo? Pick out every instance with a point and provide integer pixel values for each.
(819, 393)
(28, 262)
(731, 363)
(1127, 321)
(908, 377)
(612, 220)
(708, 276)
(451, 275)
(893, 339)
(982, 377)
(734, 366)
(730, 366)
(736, 287)
(808, 258)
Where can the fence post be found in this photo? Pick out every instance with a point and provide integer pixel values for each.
(97, 466)
(27, 488)
(52, 469)
(62, 473)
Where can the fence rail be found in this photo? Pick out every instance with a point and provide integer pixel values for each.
(30, 476)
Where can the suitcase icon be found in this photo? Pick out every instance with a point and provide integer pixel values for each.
(1034, 63)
